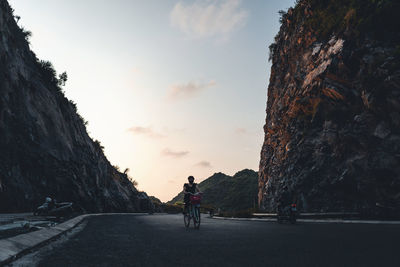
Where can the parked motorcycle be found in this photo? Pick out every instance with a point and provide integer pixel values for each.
(288, 213)
(51, 208)
(387, 210)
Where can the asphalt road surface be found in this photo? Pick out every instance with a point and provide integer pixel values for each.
(162, 240)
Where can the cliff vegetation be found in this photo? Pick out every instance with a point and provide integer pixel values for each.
(44, 144)
(332, 128)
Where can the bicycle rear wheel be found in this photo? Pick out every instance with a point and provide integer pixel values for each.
(196, 219)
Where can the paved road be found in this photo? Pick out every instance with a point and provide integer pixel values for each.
(162, 240)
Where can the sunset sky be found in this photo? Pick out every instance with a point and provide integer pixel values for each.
(170, 88)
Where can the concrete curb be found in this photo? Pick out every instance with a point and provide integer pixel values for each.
(313, 220)
(13, 247)
(319, 215)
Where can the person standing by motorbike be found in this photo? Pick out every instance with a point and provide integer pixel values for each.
(287, 206)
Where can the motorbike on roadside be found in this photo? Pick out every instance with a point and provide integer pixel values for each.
(52, 208)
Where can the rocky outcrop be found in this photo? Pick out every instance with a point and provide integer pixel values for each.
(332, 132)
(44, 145)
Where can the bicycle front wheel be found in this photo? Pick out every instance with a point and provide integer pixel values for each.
(196, 219)
(186, 219)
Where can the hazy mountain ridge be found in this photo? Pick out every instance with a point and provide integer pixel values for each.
(45, 148)
(229, 193)
(332, 129)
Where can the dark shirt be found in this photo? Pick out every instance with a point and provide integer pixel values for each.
(191, 189)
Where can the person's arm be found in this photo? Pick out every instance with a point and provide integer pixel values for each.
(184, 190)
(197, 189)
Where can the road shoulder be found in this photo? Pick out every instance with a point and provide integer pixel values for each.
(14, 247)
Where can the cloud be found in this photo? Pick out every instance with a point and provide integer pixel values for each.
(241, 131)
(215, 19)
(136, 70)
(146, 131)
(204, 164)
(175, 154)
(189, 89)
(169, 130)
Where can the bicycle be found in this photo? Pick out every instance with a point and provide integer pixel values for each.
(193, 211)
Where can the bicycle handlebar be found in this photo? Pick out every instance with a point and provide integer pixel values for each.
(197, 193)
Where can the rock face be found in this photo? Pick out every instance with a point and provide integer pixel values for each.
(332, 132)
(44, 147)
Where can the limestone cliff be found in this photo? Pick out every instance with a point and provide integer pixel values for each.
(332, 132)
(44, 146)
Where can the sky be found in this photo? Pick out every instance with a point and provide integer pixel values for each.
(169, 88)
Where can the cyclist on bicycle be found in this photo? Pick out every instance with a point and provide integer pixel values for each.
(189, 188)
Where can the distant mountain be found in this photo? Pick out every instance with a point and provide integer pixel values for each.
(229, 193)
(155, 200)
